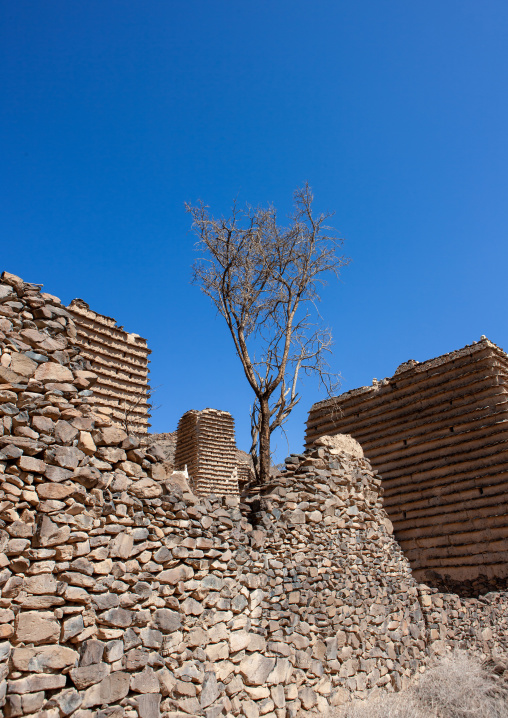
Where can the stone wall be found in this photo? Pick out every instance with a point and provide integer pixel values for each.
(438, 434)
(123, 596)
(120, 360)
(205, 443)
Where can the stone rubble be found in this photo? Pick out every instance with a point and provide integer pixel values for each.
(123, 594)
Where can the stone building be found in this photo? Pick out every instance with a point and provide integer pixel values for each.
(205, 444)
(120, 359)
(437, 432)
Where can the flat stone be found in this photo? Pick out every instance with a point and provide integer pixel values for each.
(91, 652)
(110, 690)
(121, 546)
(118, 617)
(21, 364)
(36, 627)
(148, 705)
(146, 489)
(44, 583)
(174, 575)
(86, 676)
(43, 658)
(145, 682)
(37, 682)
(256, 668)
(56, 492)
(65, 432)
(51, 372)
(209, 690)
(31, 465)
(68, 457)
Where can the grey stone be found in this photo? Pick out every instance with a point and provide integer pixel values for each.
(167, 620)
(86, 676)
(91, 652)
(110, 690)
(148, 705)
(209, 690)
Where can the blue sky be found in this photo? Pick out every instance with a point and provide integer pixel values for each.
(116, 113)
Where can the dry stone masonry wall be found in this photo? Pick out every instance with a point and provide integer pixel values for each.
(438, 434)
(120, 360)
(205, 444)
(124, 596)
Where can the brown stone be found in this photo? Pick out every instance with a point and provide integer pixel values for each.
(51, 371)
(36, 627)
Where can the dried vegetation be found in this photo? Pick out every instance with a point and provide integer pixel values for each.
(457, 687)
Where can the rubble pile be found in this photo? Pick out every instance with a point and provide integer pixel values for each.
(124, 595)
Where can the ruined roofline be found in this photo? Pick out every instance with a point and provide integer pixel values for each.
(83, 309)
(414, 368)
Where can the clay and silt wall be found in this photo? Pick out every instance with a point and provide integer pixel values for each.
(120, 360)
(437, 432)
(205, 444)
(123, 596)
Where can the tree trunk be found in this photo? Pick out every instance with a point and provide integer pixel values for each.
(264, 442)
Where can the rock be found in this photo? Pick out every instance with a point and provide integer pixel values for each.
(119, 617)
(53, 372)
(57, 474)
(56, 492)
(341, 444)
(68, 457)
(86, 676)
(50, 534)
(145, 682)
(151, 638)
(167, 620)
(45, 583)
(43, 658)
(31, 465)
(167, 681)
(36, 627)
(65, 432)
(250, 709)
(148, 706)
(10, 377)
(280, 673)
(173, 575)
(37, 682)
(146, 489)
(209, 690)
(21, 364)
(135, 659)
(86, 443)
(238, 640)
(91, 652)
(68, 701)
(72, 627)
(191, 607)
(121, 546)
(110, 436)
(307, 697)
(110, 690)
(256, 668)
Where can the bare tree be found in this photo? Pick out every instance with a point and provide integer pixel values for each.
(264, 279)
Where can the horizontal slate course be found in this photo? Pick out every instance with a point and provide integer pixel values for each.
(437, 432)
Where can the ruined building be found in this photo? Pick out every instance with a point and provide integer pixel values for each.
(437, 432)
(125, 595)
(120, 359)
(205, 444)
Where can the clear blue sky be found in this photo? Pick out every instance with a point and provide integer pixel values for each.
(115, 113)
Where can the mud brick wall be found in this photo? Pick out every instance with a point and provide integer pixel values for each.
(437, 432)
(205, 443)
(120, 360)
